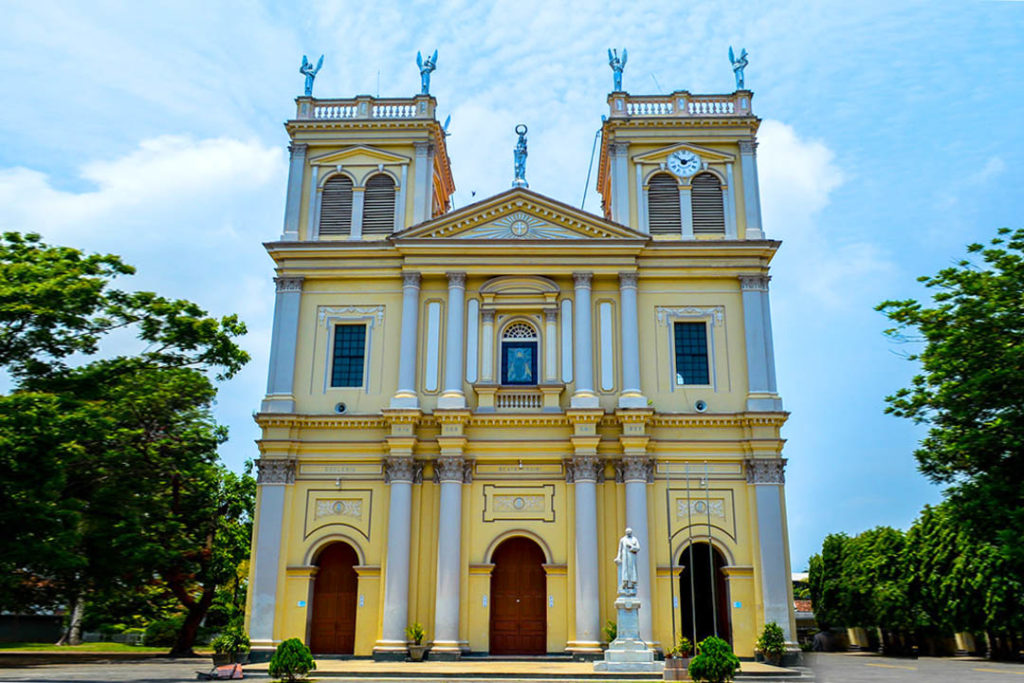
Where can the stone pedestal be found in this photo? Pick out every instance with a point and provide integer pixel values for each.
(627, 652)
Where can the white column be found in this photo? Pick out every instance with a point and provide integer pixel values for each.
(620, 182)
(641, 201)
(550, 345)
(274, 475)
(751, 191)
(400, 473)
(400, 201)
(423, 189)
(631, 396)
(757, 324)
(293, 199)
(636, 474)
(584, 397)
(685, 213)
(450, 473)
(358, 195)
(406, 397)
(487, 346)
(585, 470)
(283, 342)
(767, 476)
(453, 396)
(730, 204)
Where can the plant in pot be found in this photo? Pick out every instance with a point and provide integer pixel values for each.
(230, 646)
(415, 633)
(715, 662)
(611, 631)
(678, 658)
(772, 643)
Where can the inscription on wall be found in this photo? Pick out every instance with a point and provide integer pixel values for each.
(519, 503)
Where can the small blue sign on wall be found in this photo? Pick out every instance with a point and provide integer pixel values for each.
(737, 604)
(302, 603)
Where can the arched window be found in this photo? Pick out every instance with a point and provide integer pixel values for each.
(663, 205)
(379, 205)
(708, 212)
(519, 354)
(336, 206)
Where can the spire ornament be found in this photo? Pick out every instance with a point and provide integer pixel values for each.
(519, 155)
(310, 73)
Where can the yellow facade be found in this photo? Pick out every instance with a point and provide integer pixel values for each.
(703, 459)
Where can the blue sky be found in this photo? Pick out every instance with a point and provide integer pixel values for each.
(891, 138)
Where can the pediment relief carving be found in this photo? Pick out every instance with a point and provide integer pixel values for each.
(359, 155)
(659, 156)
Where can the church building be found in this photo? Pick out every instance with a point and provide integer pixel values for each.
(467, 407)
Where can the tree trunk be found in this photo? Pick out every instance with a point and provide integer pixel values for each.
(73, 635)
(190, 628)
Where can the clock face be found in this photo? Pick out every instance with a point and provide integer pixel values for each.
(683, 163)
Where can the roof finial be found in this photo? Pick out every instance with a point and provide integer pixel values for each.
(519, 154)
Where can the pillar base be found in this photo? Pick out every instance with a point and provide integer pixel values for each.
(633, 400)
(584, 650)
(764, 402)
(405, 400)
(390, 651)
(586, 399)
(278, 403)
(451, 400)
(446, 650)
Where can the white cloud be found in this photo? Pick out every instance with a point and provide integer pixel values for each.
(798, 178)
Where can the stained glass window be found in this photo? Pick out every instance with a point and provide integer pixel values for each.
(519, 363)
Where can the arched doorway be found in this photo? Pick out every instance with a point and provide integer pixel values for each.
(333, 624)
(518, 587)
(706, 601)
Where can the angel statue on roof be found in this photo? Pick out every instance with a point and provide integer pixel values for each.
(425, 68)
(617, 66)
(738, 65)
(309, 72)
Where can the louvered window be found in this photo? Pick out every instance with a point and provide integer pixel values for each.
(663, 205)
(379, 205)
(708, 213)
(336, 206)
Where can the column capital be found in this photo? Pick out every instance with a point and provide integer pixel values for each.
(757, 283)
(457, 280)
(298, 148)
(487, 315)
(584, 468)
(619, 147)
(423, 147)
(452, 469)
(766, 471)
(275, 471)
(748, 147)
(634, 468)
(402, 469)
(628, 280)
(582, 279)
(289, 284)
(550, 315)
(411, 279)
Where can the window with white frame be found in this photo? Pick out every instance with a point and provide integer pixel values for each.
(348, 355)
(519, 351)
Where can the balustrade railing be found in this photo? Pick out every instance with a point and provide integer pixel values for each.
(519, 399)
(680, 104)
(365, 107)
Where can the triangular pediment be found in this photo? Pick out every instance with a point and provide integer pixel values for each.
(519, 214)
(359, 155)
(706, 153)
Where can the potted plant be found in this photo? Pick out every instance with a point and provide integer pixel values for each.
(417, 650)
(772, 643)
(611, 631)
(230, 646)
(292, 660)
(715, 662)
(678, 659)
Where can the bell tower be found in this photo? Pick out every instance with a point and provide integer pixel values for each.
(681, 166)
(365, 167)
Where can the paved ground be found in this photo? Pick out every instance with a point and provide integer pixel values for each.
(855, 668)
(827, 668)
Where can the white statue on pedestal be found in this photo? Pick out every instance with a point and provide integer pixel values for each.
(629, 546)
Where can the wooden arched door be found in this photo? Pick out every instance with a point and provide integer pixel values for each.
(518, 605)
(333, 627)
